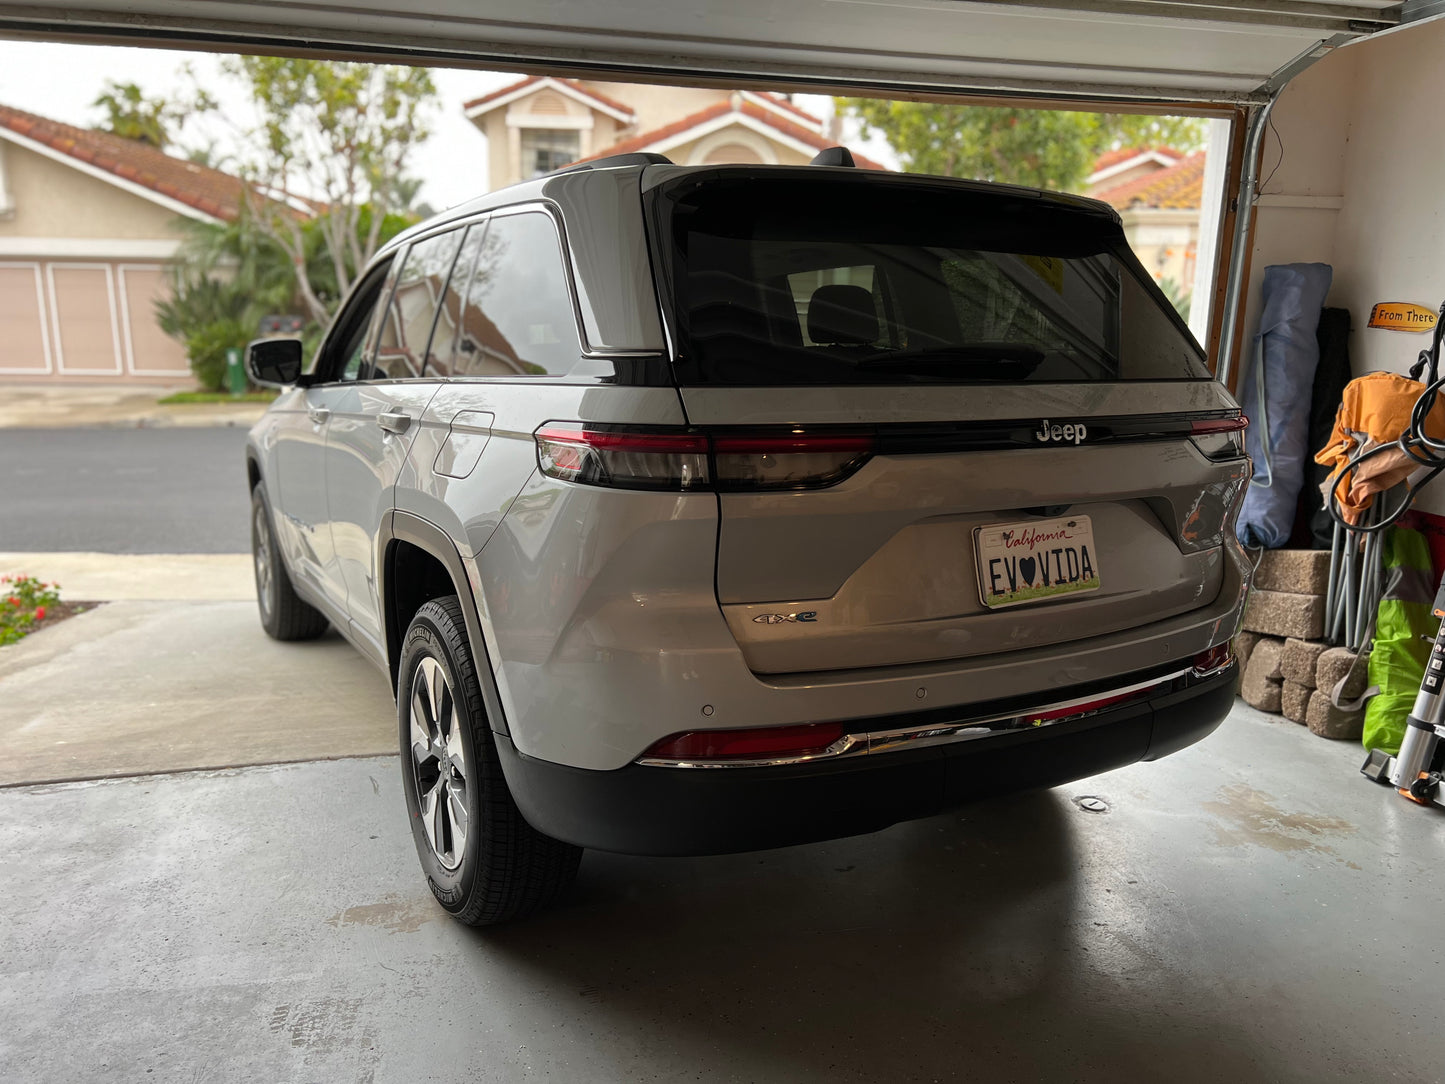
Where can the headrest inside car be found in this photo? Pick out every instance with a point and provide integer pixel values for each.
(840, 315)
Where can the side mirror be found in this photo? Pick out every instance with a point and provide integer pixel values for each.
(274, 363)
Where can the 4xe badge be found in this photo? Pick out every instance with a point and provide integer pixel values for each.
(783, 619)
(1073, 433)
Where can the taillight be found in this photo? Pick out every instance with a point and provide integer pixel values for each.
(626, 459)
(675, 459)
(756, 743)
(1219, 438)
(788, 460)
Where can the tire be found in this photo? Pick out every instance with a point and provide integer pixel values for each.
(491, 866)
(284, 614)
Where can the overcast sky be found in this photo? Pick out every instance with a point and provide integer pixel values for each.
(61, 82)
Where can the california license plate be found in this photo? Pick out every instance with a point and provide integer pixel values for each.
(1026, 562)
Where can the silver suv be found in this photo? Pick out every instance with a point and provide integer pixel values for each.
(696, 510)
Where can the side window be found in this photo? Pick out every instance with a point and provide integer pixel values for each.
(442, 353)
(342, 356)
(518, 319)
(402, 346)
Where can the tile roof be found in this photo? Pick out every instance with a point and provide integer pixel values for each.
(571, 84)
(207, 190)
(643, 140)
(1177, 187)
(1123, 154)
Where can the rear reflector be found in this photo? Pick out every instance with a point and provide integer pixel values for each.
(1216, 658)
(755, 743)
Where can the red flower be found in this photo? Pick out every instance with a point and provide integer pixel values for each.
(40, 613)
(13, 600)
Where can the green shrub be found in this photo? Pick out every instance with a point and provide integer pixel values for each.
(23, 601)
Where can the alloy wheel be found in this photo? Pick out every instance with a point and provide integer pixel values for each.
(262, 554)
(439, 762)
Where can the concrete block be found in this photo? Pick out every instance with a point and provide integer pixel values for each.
(1294, 701)
(1334, 664)
(1299, 572)
(1280, 613)
(1328, 721)
(1261, 684)
(1299, 660)
(1243, 644)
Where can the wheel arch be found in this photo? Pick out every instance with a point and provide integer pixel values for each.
(419, 562)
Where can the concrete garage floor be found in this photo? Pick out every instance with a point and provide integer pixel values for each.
(1250, 909)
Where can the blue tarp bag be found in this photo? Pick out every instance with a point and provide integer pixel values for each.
(1275, 394)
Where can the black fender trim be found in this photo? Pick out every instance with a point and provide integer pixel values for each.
(400, 526)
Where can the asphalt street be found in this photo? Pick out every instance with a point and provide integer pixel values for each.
(180, 490)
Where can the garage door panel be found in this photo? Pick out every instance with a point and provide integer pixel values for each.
(1217, 50)
(83, 317)
(24, 348)
(149, 350)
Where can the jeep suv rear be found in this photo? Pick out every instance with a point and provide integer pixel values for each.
(696, 510)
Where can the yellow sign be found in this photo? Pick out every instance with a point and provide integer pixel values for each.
(1402, 316)
(1048, 268)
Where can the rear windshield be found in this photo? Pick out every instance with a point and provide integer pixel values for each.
(817, 280)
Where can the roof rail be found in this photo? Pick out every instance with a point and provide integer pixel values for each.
(636, 158)
(834, 156)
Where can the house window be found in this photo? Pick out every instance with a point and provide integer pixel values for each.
(546, 149)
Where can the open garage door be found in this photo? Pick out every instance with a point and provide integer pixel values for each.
(1218, 51)
(1225, 57)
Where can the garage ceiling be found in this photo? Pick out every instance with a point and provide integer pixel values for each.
(1219, 51)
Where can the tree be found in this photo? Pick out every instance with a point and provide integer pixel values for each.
(228, 276)
(325, 161)
(1041, 148)
(131, 115)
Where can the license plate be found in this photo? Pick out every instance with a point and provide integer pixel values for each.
(1026, 562)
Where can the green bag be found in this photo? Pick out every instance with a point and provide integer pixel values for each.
(1404, 630)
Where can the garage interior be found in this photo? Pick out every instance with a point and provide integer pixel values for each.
(1249, 908)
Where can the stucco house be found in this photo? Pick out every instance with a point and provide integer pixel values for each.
(1158, 193)
(88, 222)
(542, 123)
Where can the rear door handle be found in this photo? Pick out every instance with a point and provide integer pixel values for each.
(318, 414)
(394, 421)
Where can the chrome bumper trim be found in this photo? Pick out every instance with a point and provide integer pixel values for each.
(872, 742)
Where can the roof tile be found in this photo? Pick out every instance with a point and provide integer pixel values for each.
(1177, 187)
(798, 132)
(209, 191)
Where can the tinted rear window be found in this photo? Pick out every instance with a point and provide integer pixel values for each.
(821, 281)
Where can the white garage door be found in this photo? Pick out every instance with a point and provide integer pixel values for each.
(1217, 50)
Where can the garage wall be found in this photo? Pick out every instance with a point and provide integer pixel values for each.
(1390, 241)
(1361, 186)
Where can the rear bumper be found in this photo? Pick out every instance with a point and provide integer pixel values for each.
(642, 809)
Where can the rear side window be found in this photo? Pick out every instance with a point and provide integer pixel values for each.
(791, 281)
(518, 318)
(402, 347)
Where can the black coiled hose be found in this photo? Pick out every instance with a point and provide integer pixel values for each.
(1414, 441)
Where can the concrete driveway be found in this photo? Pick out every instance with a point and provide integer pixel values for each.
(174, 673)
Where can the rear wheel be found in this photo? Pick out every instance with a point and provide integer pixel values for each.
(284, 614)
(483, 861)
